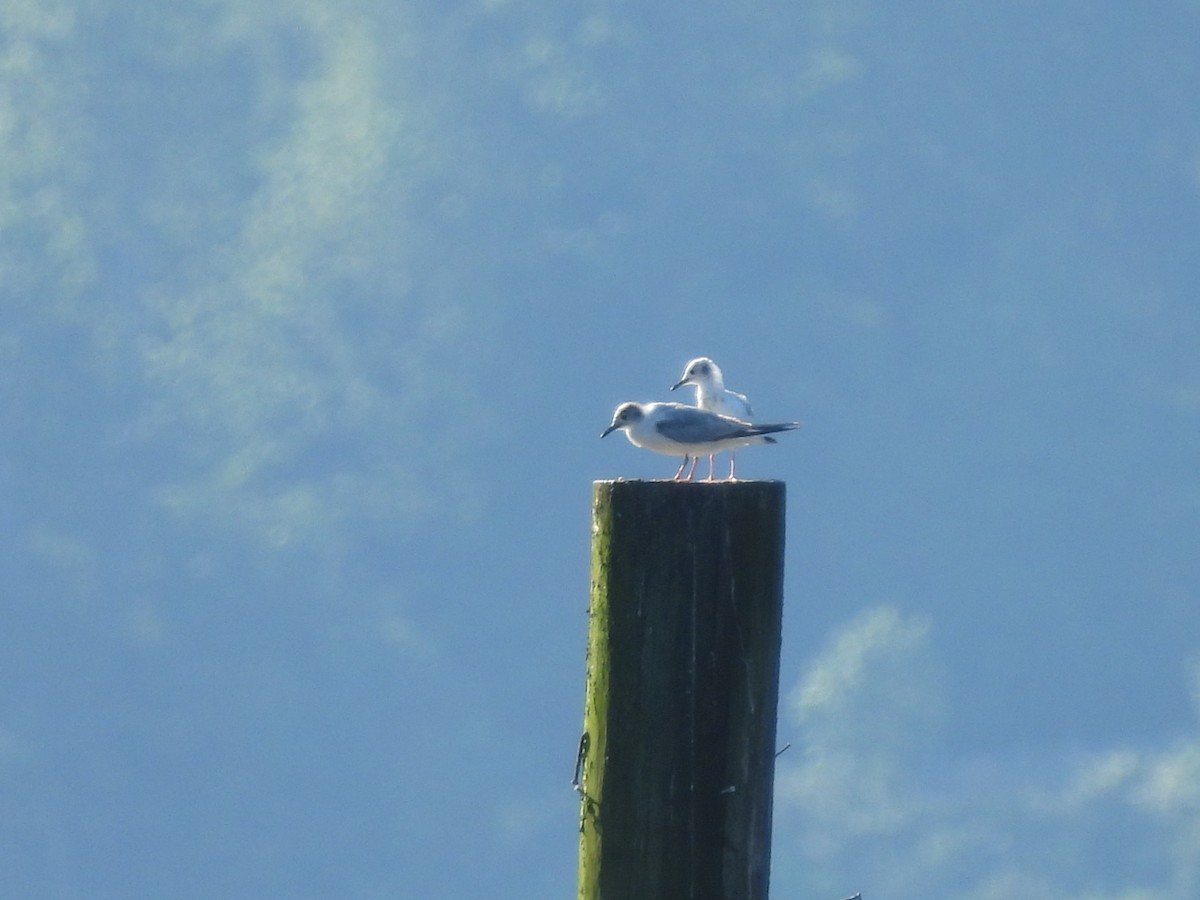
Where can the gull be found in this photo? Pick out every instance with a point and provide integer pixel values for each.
(676, 429)
(711, 394)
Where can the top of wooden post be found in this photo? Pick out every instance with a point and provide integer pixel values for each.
(721, 483)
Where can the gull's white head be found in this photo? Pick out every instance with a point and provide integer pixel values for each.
(702, 372)
(626, 416)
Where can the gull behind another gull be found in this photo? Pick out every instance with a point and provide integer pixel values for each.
(675, 429)
(711, 394)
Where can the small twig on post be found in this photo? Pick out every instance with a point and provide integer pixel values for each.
(580, 755)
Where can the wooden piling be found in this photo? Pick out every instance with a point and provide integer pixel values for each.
(677, 759)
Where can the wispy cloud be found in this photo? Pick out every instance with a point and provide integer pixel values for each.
(870, 800)
(235, 231)
(44, 255)
(557, 65)
(299, 359)
(860, 710)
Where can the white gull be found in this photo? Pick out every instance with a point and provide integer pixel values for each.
(711, 394)
(675, 429)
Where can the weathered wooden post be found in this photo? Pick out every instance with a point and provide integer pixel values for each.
(677, 759)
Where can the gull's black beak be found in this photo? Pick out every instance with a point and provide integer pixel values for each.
(609, 430)
(680, 383)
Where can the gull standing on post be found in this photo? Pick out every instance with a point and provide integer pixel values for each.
(676, 429)
(711, 394)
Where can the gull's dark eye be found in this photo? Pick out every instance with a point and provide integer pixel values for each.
(703, 369)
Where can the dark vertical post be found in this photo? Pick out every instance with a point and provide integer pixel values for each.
(678, 751)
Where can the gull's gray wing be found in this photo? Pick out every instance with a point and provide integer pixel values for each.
(690, 425)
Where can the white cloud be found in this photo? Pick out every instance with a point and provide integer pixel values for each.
(224, 198)
(870, 799)
(44, 254)
(557, 63)
(1089, 780)
(825, 68)
(861, 707)
(300, 336)
(847, 677)
(1171, 784)
(556, 83)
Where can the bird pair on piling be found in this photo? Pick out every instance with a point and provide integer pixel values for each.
(719, 421)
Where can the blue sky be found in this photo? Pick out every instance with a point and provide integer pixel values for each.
(312, 315)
